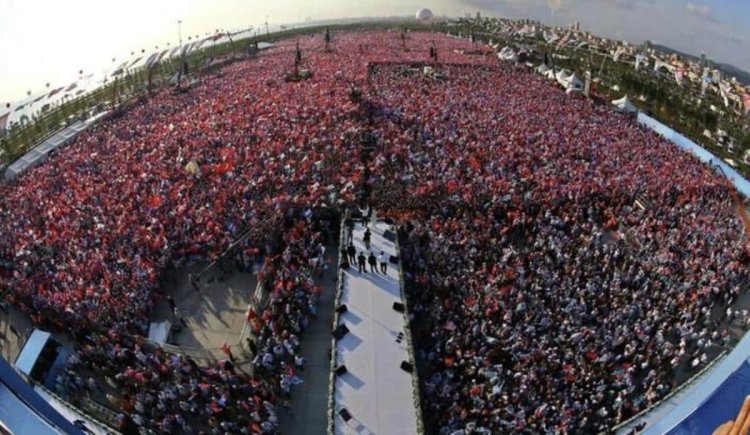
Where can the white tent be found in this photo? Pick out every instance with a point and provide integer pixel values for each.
(562, 76)
(624, 105)
(569, 81)
(508, 54)
(542, 69)
(158, 332)
(575, 83)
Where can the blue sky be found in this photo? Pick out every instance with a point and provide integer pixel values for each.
(721, 28)
(49, 40)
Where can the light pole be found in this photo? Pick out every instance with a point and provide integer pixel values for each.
(182, 53)
(179, 31)
(267, 32)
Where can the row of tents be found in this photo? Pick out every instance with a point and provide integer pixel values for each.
(572, 83)
(569, 80)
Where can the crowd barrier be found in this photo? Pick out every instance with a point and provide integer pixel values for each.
(333, 354)
(259, 301)
(416, 385)
(39, 153)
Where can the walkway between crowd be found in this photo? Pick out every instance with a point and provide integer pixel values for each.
(375, 390)
(309, 399)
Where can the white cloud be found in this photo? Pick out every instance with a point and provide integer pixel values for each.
(700, 10)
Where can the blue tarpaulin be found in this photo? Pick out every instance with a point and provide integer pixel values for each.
(23, 411)
(714, 399)
(722, 406)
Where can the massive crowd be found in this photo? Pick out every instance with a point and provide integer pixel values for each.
(563, 262)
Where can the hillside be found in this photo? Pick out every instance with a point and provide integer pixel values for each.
(728, 69)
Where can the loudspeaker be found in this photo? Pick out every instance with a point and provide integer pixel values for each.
(345, 414)
(342, 309)
(393, 259)
(340, 332)
(389, 235)
(340, 370)
(407, 366)
(398, 306)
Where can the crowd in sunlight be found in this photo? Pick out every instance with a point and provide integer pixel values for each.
(562, 262)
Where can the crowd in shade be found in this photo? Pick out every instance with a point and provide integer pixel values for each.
(167, 393)
(562, 262)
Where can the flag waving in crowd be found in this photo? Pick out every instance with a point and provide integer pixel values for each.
(725, 89)
(679, 74)
(639, 59)
(705, 81)
(616, 55)
(563, 41)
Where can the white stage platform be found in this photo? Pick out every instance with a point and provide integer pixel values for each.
(375, 390)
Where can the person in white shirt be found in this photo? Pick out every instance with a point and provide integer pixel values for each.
(383, 259)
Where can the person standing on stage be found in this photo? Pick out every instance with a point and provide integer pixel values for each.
(366, 238)
(373, 262)
(361, 260)
(383, 259)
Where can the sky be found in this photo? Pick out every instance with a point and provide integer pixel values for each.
(49, 41)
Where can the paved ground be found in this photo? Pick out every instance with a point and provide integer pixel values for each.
(213, 315)
(309, 402)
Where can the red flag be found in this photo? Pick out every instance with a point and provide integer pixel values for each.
(154, 201)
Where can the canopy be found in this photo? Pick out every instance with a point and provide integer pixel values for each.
(31, 350)
(569, 81)
(508, 54)
(624, 105)
(158, 332)
(542, 69)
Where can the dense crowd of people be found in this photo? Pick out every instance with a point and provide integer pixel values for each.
(166, 393)
(563, 262)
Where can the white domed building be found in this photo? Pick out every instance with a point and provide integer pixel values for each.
(424, 15)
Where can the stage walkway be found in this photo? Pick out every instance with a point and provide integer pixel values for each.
(377, 393)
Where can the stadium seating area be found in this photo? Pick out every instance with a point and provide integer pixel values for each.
(546, 298)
